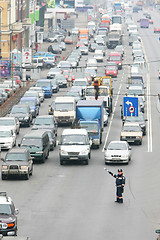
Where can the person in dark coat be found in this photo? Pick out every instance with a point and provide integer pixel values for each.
(120, 183)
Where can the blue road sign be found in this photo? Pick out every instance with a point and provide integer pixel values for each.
(130, 106)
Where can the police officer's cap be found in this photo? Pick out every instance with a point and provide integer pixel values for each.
(120, 170)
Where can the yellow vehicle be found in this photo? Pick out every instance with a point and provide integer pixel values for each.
(106, 81)
(99, 81)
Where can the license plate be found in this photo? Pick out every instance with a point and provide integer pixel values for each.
(73, 158)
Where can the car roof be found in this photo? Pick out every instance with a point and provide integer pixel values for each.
(45, 116)
(18, 150)
(74, 131)
(131, 124)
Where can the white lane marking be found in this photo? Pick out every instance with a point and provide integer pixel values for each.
(110, 124)
(149, 123)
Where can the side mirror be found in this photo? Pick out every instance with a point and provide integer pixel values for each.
(16, 211)
(105, 148)
(146, 120)
(2, 159)
(19, 144)
(130, 148)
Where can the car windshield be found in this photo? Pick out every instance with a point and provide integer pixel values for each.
(31, 142)
(16, 157)
(73, 94)
(5, 209)
(131, 129)
(31, 94)
(43, 121)
(80, 83)
(102, 92)
(135, 91)
(75, 139)
(91, 127)
(111, 68)
(117, 146)
(6, 122)
(63, 107)
(115, 58)
(19, 110)
(5, 134)
(106, 81)
(29, 103)
(139, 118)
(43, 84)
(60, 78)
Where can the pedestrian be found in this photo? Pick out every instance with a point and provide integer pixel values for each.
(36, 47)
(120, 182)
(96, 87)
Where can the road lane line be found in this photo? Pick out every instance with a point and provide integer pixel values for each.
(149, 123)
(110, 124)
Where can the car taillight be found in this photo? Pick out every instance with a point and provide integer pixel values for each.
(7, 89)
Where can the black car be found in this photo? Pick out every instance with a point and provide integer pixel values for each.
(18, 162)
(138, 119)
(23, 113)
(8, 218)
(45, 122)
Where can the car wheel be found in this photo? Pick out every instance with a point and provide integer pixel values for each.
(15, 144)
(43, 159)
(47, 155)
(3, 177)
(29, 123)
(61, 162)
(27, 176)
(140, 143)
(48, 66)
(85, 162)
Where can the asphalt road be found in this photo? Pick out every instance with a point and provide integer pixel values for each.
(76, 201)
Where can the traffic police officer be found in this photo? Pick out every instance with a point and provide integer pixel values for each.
(96, 87)
(120, 182)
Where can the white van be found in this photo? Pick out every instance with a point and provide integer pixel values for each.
(65, 110)
(75, 145)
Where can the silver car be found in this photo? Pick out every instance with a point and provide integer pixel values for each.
(118, 152)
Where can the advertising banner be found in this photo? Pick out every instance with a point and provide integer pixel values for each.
(26, 55)
(50, 3)
(5, 68)
(64, 3)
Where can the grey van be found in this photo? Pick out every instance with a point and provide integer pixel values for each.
(37, 141)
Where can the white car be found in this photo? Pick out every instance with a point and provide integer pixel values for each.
(39, 90)
(118, 152)
(11, 123)
(98, 57)
(7, 138)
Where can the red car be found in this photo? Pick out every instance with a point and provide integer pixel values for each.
(111, 71)
(156, 30)
(68, 40)
(80, 44)
(116, 57)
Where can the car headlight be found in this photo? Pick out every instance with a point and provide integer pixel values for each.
(4, 167)
(84, 152)
(23, 167)
(107, 155)
(124, 155)
(26, 118)
(119, 63)
(64, 152)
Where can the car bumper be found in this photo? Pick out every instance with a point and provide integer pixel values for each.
(73, 158)
(15, 172)
(6, 145)
(116, 160)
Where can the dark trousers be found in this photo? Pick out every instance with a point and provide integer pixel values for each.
(119, 194)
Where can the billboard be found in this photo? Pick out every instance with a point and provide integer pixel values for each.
(64, 3)
(50, 3)
(5, 68)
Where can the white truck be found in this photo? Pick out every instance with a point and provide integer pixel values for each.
(65, 110)
(104, 94)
